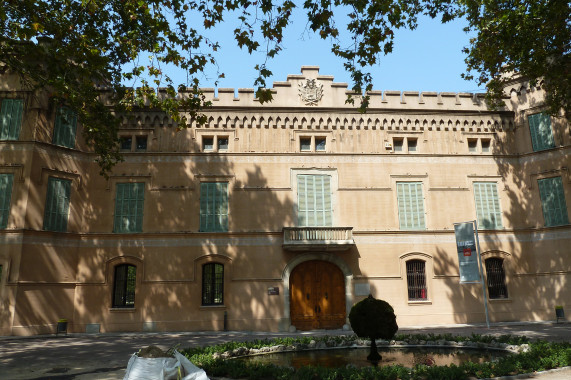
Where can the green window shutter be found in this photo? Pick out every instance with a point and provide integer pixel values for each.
(11, 119)
(314, 200)
(553, 201)
(65, 127)
(6, 181)
(487, 206)
(410, 205)
(214, 207)
(541, 132)
(57, 204)
(129, 206)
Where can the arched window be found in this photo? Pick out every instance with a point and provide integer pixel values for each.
(416, 280)
(124, 286)
(496, 278)
(213, 284)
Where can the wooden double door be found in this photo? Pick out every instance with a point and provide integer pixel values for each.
(317, 296)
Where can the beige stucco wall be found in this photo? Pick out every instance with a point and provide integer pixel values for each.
(48, 275)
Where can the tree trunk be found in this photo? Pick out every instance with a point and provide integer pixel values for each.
(374, 354)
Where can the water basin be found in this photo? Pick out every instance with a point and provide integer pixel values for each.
(406, 357)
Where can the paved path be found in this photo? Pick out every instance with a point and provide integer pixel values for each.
(105, 356)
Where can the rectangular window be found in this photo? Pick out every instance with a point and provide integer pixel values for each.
(472, 145)
(320, 144)
(124, 286)
(416, 280)
(213, 284)
(11, 118)
(57, 204)
(305, 144)
(141, 143)
(1, 273)
(129, 204)
(487, 205)
(207, 143)
(497, 288)
(553, 201)
(65, 127)
(541, 133)
(314, 200)
(410, 205)
(126, 143)
(412, 145)
(214, 207)
(485, 145)
(398, 145)
(6, 181)
(222, 143)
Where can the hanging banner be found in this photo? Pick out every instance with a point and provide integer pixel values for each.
(467, 253)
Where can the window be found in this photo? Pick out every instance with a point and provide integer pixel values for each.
(11, 118)
(214, 207)
(496, 278)
(222, 143)
(1, 273)
(141, 143)
(129, 203)
(314, 200)
(126, 143)
(398, 145)
(553, 201)
(472, 145)
(305, 144)
(57, 204)
(207, 143)
(65, 127)
(485, 145)
(124, 286)
(215, 143)
(320, 144)
(487, 205)
(541, 133)
(410, 205)
(312, 143)
(212, 284)
(6, 181)
(412, 145)
(416, 280)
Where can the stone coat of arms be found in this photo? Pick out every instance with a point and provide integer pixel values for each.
(310, 92)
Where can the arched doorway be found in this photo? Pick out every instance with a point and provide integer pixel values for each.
(317, 296)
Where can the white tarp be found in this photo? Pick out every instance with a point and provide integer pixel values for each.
(175, 368)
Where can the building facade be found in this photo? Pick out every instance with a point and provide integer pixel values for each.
(283, 215)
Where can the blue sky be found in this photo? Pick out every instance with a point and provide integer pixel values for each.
(429, 58)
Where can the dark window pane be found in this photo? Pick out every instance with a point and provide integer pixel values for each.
(213, 284)
(305, 144)
(416, 280)
(124, 286)
(397, 145)
(412, 145)
(485, 145)
(141, 142)
(126, 142)
(472, 145)
(207, 143)
(496, 278)
(320, 144)
(222, 143)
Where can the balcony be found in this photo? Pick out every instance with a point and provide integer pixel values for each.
(318, 238)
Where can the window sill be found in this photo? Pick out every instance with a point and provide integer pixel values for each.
(416, 303)
(500, 300)
(122, 309)
(210, 307)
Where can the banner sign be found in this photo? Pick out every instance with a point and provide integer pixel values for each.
(467, 253)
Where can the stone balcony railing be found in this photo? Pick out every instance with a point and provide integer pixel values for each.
(318, 238)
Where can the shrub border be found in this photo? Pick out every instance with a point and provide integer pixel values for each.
(528, 357)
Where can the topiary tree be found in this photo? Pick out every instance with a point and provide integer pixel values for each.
(374, 319)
